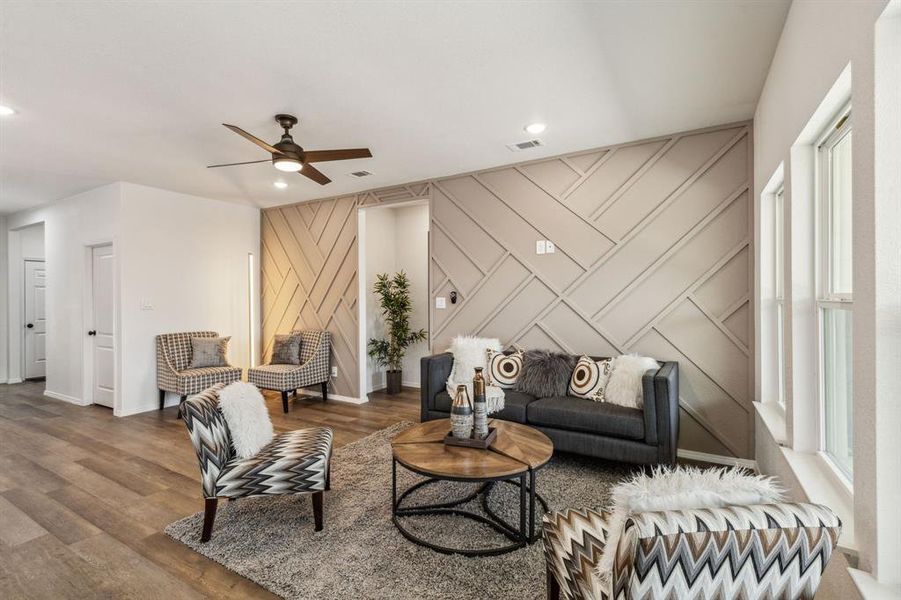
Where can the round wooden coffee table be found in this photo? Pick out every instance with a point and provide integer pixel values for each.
(513, 458)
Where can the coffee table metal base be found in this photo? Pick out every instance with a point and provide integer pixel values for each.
(520, 535)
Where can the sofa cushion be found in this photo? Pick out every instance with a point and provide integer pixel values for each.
(577, 414)
(515, 404)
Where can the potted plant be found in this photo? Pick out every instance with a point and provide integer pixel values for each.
(394, 294)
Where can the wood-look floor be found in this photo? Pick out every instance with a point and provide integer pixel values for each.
(84, 495)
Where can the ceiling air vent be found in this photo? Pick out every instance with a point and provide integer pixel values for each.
(518, 147)
(360, 174)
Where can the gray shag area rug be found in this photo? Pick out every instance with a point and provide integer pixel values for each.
(360, 554)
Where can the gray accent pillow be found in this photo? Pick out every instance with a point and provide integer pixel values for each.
(209, 352)
(545, 374)
(286, 350)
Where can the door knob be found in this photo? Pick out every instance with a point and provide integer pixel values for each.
(92, 332)
(30, 325)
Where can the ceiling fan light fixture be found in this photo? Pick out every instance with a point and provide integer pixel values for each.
(287, 164)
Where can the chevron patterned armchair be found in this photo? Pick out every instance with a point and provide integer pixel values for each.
(762, 551)
(294, 462)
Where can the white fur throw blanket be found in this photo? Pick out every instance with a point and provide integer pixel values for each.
(247, 417)
(471, 352)
(676, 489)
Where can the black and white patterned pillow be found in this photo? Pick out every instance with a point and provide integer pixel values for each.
(286, 350)
(209, 352)
(589, 379)
(504, 370)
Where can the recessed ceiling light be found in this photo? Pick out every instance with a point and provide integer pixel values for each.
(535, 128)
(5, 111)
(280, 185)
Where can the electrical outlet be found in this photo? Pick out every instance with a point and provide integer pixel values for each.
(334, 371)
(146, 304)
(549, 247)
(440, 302)
(540, 247)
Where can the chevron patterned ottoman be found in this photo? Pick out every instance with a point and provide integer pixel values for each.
(294, 462)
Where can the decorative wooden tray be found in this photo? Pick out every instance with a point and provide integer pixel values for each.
(450, 440)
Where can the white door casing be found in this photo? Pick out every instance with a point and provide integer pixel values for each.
(102, 326)
(35, 320)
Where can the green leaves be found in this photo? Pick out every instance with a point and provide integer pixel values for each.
(396, 305)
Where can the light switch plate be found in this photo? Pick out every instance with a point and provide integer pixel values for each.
(440, 302)
(549, 247)
(540, 247)
(334, 371)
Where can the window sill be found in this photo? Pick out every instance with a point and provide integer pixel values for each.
(821, 486)
(870, 589)
(773, 416)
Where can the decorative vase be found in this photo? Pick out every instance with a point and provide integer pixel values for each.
(479, 406)
(394, 381)
(461, 414)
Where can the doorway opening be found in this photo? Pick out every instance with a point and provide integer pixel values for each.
(27, 305)
(393, 238)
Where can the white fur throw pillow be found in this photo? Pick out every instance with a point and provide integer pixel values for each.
(247, 417)
(624, 385)
(470, 352)
(676, 489)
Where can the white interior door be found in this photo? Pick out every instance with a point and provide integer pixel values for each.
(35, 320)
(101, 331)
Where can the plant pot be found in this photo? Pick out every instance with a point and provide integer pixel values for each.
(394, 379)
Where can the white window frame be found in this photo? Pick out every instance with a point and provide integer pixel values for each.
(838, 128)
(779, 288)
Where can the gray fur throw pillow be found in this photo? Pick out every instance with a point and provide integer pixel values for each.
(545, 374)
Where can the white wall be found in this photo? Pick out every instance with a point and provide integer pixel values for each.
(816, 46)
(395, 238)
(411, 249)
(4, 290)
(187, 255)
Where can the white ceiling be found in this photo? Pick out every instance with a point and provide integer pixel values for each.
(137, 91)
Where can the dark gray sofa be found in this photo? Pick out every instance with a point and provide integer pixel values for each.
(598, 429)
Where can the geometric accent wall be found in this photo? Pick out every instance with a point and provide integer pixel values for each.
(653, 255)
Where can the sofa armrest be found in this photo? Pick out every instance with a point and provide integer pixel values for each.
(661, 410)
(435, 370)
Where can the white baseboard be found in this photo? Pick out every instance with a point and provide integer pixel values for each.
(717, 459)
(410, 384)
(338, 397)
(65, 398)
(14, 380)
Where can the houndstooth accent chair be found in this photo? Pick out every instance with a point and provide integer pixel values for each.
(315, 350)
(294, 462)
(173, 362)
(760, 551)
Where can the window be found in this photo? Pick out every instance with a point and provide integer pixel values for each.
(834, 293)
(778, 286)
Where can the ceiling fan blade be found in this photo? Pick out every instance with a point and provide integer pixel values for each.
(253, 139)
(314, 174)
(347, 153)
(249, 162)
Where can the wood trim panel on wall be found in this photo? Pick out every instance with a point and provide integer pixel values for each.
(653, 256)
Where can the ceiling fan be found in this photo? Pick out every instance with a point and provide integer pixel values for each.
(288, 156)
